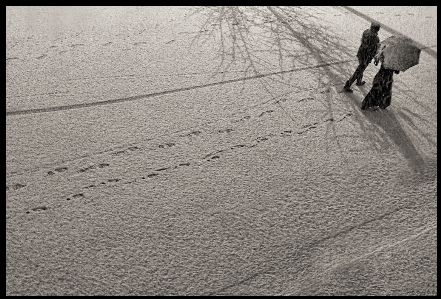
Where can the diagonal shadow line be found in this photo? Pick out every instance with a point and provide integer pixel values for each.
(138, 97)
(351, 228)
(427, 49)
(417, 232)
(251, 277)
(309, 246)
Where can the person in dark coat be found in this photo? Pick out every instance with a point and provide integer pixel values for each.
(366, 51)
(381, 92)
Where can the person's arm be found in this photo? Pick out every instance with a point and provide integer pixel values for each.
(379, 54)
(377, 57)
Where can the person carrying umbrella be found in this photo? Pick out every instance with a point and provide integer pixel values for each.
(381, 92)
(366, 51)
(395, 54)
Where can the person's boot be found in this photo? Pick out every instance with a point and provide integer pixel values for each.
(359, 83)
(347, 88)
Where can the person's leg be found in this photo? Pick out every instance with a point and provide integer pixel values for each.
(358, 75)
(360, 70)
(387, 98)
(368, 99)
(351, 80)
(373, 97)
(364, 103)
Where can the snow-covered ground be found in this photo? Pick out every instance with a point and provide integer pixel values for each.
(136, 165)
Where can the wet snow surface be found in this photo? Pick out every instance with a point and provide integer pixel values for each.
(145, 157)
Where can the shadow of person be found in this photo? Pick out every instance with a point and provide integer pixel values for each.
(386, 119)
(287, 29)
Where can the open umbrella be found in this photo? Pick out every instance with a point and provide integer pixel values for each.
(399, 53)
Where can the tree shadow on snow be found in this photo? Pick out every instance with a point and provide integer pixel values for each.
(280, 40)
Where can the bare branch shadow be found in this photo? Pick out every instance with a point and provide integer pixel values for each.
(277, 40)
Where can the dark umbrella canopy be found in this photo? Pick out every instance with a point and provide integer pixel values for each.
(399, 53)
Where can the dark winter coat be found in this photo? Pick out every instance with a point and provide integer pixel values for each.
(368, 47)
(381, 91)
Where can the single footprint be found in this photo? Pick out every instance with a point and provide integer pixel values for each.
(83, 169)
(310, 125)
(38, 209)
(225, 131)
(195, 133)
(75, 196)
(212, 153)
(306, 99)
(170, 144)
(259, 139)
(60, 169)
(119, 152)
(76, 45)
(132, 148)
(264, 112)
(243, 118)
(18, 186)
(281, 100)
(239, 145)
(191, 134)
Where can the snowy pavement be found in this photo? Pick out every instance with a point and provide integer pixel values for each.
(136, 166)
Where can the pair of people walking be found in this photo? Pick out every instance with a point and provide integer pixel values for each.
(380, 94)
